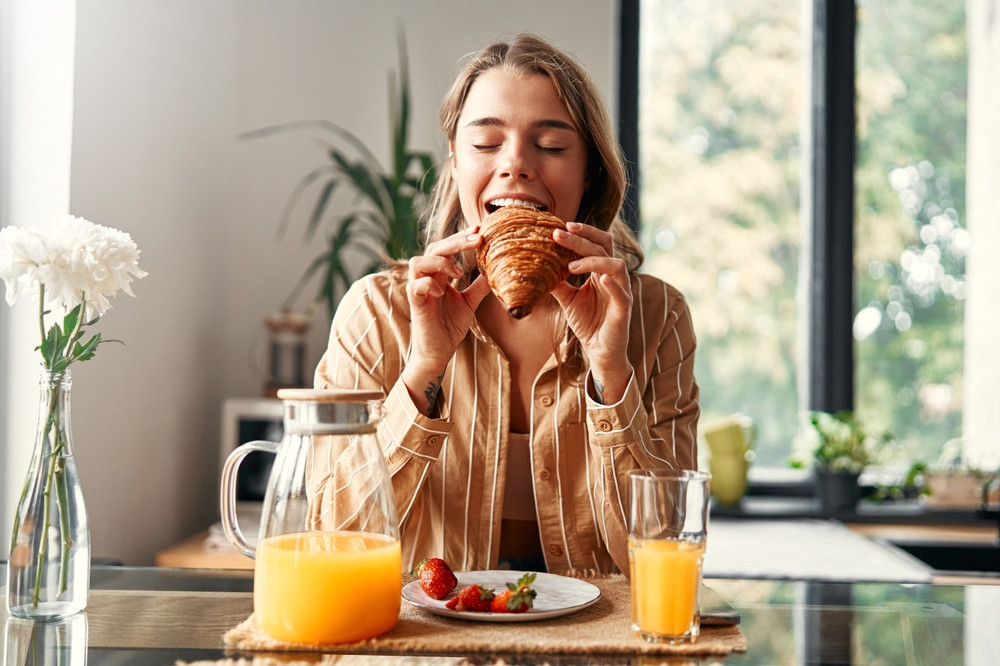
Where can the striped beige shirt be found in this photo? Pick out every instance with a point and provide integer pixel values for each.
(448, 473)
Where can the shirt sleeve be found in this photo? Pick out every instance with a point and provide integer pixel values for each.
(368, 340)
(654, 425)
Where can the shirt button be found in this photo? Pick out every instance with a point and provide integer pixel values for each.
(544, 474)
(555, 549)
(604, 426)
(546, 401)
(433, 440)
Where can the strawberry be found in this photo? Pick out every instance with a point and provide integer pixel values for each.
(436, 577)
(475, 598)
(517, 598)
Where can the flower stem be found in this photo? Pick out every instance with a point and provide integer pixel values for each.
(41, 310)
(17, 514)
(50, 423)
(65, 529)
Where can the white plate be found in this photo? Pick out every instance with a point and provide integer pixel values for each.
(557, 595)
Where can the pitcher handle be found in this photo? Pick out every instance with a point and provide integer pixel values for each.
(227, 497)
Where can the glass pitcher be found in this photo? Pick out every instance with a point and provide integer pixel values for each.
(328, 562)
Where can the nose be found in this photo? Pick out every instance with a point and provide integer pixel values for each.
(516, 161)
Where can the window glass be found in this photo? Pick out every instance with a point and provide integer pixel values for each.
(721, 108)
(911, 239)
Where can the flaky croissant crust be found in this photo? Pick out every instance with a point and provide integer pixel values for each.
(520, 260)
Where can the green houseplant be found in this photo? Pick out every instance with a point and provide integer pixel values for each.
(383, 205)
(844, 443)
(844, 447)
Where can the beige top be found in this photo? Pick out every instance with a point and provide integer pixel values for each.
(449, 473)
(519, 505)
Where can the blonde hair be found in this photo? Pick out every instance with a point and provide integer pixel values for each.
(605, 172)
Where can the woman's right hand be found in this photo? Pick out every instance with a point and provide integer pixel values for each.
(440, 315)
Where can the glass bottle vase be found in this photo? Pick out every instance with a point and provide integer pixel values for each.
(48, 572)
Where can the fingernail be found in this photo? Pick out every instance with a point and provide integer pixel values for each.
(575, 226)
(574, 265)
(472, 237)
(561, 234)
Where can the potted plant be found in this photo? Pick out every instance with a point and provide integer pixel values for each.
(954, 481)
(843, 448)
(383, 205)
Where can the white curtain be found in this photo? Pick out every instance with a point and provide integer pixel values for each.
(37, 40)
(981, 417)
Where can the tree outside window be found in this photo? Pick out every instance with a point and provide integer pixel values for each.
(723, 101)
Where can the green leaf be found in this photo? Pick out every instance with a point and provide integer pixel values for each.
(72, 319)
(86, 350)
(317, 215)
(53, 348)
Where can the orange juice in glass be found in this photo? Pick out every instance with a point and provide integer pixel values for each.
(668, 523)
(327, 587)
(667, 601)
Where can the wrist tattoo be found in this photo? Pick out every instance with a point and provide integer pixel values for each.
(432, 392)
(599, 387)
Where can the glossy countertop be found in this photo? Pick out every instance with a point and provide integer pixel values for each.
(784, 621)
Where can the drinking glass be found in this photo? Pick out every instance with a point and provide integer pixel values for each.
(668, 524)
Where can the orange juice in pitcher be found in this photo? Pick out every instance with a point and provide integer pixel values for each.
(322, 587)
(329, 566)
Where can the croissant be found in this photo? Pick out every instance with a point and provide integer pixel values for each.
(520, 260)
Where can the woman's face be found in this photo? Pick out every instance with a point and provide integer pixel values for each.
(516, 142)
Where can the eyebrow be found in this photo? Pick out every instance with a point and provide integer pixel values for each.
(492, 121)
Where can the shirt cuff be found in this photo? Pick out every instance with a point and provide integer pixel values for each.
(614, 425)
(405, 427)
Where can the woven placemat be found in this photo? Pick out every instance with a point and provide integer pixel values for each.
(349, 660)
(602, 628)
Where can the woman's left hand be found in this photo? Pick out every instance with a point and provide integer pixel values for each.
(599, 311)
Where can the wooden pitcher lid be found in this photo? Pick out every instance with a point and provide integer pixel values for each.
(328, 395)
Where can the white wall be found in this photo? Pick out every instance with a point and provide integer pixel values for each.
(162, 90)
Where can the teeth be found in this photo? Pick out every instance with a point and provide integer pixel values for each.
(500, 203)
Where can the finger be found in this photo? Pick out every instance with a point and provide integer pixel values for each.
(616, 290)
(425, 287)
(454, 244)
(586, 239)
(588, 231)
(593, 234)
(476, 292)
(433, 265)
(602, 265)
(564, 293)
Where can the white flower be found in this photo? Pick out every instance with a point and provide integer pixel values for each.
(24, 257)
(77, 261)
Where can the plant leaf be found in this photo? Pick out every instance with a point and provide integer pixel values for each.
(297, 193)
(317, 215)
(85, 351)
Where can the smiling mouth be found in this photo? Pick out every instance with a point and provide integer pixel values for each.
(497, 204)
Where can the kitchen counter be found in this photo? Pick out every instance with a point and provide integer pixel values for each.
(902, 512)
(784, 621)
(804, 549)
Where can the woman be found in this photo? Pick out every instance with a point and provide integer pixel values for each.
(508, 440)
